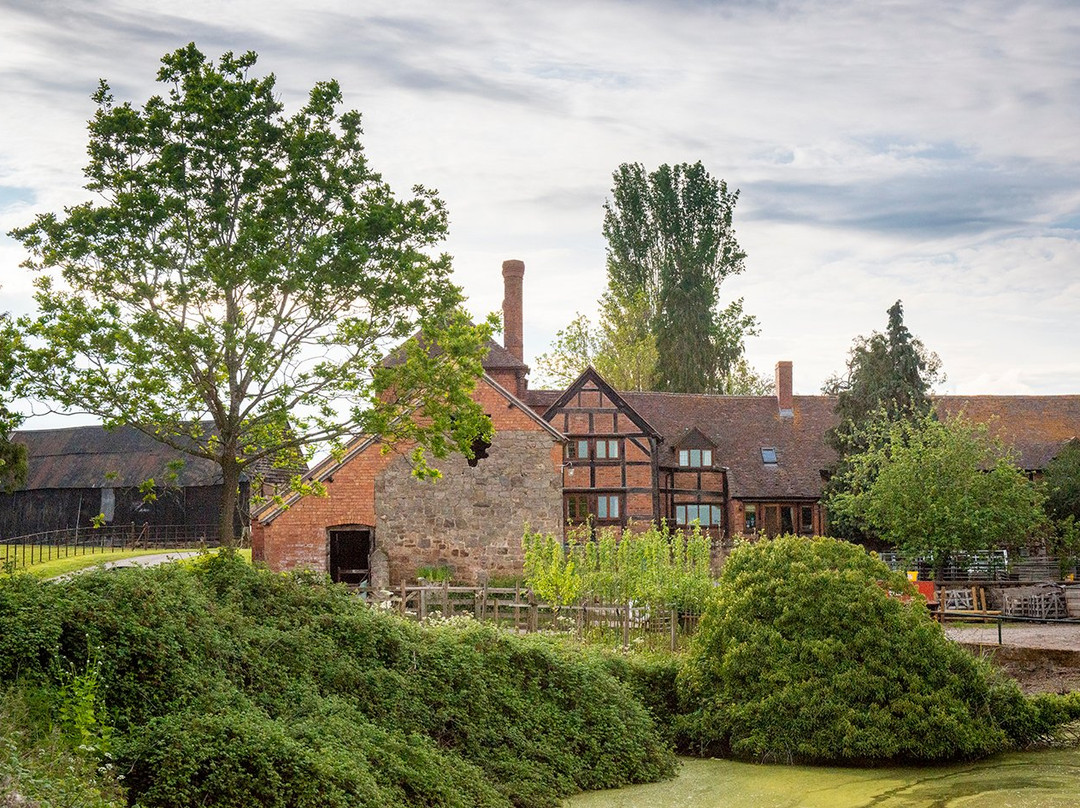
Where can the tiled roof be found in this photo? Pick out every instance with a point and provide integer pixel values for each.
(1036, 426)
(740, 426)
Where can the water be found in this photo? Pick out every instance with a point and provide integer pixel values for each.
(1046, 779)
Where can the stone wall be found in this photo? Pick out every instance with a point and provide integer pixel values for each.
(472, 519)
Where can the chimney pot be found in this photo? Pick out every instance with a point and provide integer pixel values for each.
(784, 399)
(513, 271)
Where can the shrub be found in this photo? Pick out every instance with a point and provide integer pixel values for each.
(805, 655)
(229, 685)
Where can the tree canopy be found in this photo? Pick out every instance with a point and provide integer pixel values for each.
(888, 380)
(934, 488)
(233, 289)
(1061, 480)
(671, 244)
(13, 467)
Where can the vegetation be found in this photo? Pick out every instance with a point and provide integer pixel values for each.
(887, 381)
(1061, 482)
(937, 487)
(243, 274)
(654, 566)
(671, 244)
(808, 654)
(13, 467)
(222, 684)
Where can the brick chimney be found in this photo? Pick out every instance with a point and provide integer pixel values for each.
(513, 271)
(784, 399)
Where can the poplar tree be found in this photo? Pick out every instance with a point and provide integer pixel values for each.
(670, 245)
(234, 288)
(13, 467)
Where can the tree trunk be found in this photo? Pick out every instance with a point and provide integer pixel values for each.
(230, 489)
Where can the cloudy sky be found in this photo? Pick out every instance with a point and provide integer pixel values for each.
(923, 151)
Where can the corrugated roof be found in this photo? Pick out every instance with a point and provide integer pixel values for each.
(93, 457)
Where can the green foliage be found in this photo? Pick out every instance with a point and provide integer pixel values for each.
(1061, 482)
(937, 487)
(435, 574)
(654, 566)
(229, 685)
(806, 655)
(13, 467)
(39, 765)
(888, 380)
(671, 244)
(248, 269)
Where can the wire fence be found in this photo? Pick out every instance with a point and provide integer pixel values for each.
(20, 552)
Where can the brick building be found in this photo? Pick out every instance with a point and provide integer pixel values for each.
(733, 464)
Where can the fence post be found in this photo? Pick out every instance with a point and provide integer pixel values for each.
(674, 626)
(446, 599)
(534, 614)
(423, 602)
(626, 626)
(403, 597)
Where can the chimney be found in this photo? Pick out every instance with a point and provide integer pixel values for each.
(783, 389)
(513, 271)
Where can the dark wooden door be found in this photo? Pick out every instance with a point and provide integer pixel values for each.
(349, 552)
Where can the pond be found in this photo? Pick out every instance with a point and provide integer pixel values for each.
(1044, 779)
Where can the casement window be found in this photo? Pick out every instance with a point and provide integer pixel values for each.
(806, 520)
(750, 522)
(577, 450)
(601, 507)
(596, 448)
(607, 449)
(695, 458)
(706, 515)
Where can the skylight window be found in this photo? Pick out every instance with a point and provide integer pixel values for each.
(768, 455)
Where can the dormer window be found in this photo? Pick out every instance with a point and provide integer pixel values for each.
(695, 458)
(768, 455)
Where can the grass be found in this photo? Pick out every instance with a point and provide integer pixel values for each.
(63, 566)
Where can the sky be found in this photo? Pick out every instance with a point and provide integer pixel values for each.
(902, 149)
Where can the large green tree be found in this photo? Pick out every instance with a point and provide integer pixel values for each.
(232, 290)
(934, 488)
(888, 380)
(12, 455)
(670, 245)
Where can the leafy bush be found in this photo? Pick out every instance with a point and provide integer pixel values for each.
(805, 655)
(228, 685)
(655, 566)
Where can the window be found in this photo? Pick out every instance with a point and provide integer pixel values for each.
(705, 515)
(607, 507)
(607, 449)
(577, 508)
(577, 449)
(806, 522)
(604, 508)
(751, 518)
(768, 455)
(695, 458)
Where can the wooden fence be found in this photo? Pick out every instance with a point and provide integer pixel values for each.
(20, 552)
(520, 610)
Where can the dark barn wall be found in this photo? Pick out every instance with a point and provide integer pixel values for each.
(25, 512)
